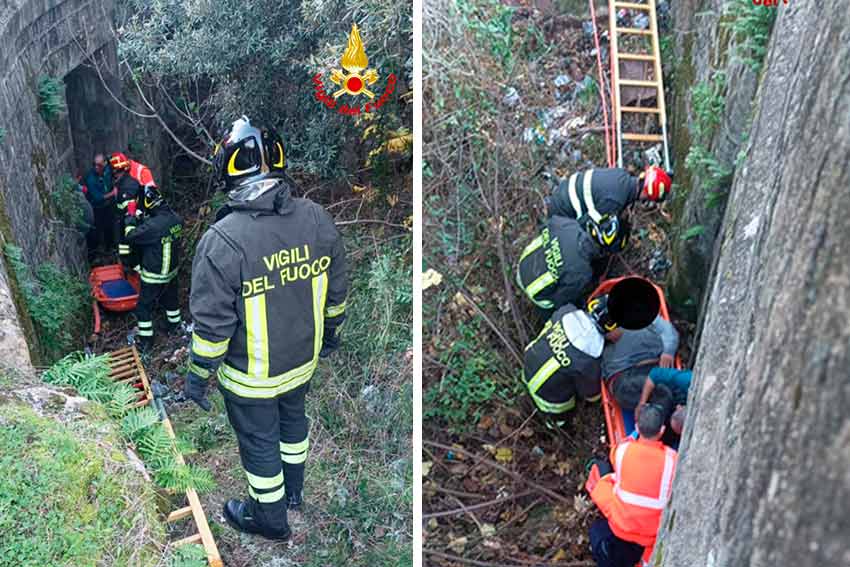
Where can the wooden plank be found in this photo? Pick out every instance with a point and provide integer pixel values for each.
(179, 514)
(636, 83)
(194, 538)
(642, 137)
(643, 109)
(634, 31)
(637, 57)
(631, 6)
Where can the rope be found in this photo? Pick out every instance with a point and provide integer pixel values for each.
(609, 134)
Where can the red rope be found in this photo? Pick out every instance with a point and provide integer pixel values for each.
(609, 133)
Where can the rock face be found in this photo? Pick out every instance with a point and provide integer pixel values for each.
(701, 48)
(764, 476)
(42, 38)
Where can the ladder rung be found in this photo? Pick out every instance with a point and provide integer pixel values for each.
(631, 6)
(643, 137)
(634, 31)
(636, 83)
(186, 540)
(636, 56)
(179, 513)
(646, 109)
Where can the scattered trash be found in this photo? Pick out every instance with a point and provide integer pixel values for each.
(562, 80)
(587, 28)
(641, 21)
(653, 154)
(537, 452)
(659, 264)
(511, 98)
(431, 278)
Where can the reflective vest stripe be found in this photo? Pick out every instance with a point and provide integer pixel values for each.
(129, 229)
(208, 349)
(242, 385)
(532, 246)
(320, 292)
(642, 500)
(574, 200)
(257, 330)
(545, 330)
(540, 284)
(123, 248)
(202, 372)
(150, 277)
(588, 197)
(335, 310)
(543, 373)
(166, 258)
(552, 407)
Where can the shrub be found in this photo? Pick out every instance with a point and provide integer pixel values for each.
(67, 201)
(51, 98)
(752, 25)
(57, 302)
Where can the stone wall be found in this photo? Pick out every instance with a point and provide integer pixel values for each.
(40, 38)
(764, 472)
(701, 46)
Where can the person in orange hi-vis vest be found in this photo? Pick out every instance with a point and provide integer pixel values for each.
(632, 495)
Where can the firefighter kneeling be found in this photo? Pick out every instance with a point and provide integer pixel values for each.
(268, 295)
(153, 229)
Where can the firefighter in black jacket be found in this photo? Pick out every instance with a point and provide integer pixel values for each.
(156, 237)
(597, 193)
(128, 191)
(268, 295)
(555, 268)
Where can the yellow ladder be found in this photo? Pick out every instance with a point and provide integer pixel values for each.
(126, 367)
(653, 58)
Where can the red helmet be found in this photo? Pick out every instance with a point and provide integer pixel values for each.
(656, 183)
(119, 162)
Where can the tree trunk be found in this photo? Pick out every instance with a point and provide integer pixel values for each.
(764, 475)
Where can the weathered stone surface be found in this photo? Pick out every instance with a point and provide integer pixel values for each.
(702, 46)
(764, 477)
(40, 38)
(14, 352)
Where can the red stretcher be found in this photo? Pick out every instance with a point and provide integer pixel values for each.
(620, 424)
(114, 290)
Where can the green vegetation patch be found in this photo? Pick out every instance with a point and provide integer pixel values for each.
(69, 498)
(57, 302)
(51, 98)
(752, 25)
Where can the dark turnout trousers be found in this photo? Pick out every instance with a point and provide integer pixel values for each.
(150, 297)
(273, 443)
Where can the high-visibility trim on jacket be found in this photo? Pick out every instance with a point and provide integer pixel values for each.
(595, 193)
(332, 311)
(555, 268)
(141, 173)
(208, 349)
(633, 497)
(154, 278)
(156, 239)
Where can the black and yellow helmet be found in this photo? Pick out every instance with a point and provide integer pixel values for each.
(248, 154)
(597, 308)
(149, 199)
(610, 232)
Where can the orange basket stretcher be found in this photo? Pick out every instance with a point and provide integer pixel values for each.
(113, 289)
(620, 424)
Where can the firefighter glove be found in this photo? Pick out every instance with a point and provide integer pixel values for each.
(330, 342)
(195, 389)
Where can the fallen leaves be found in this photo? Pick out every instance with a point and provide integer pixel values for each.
(431, 278)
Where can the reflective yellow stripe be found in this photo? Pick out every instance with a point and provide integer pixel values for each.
(551, 407)
(123, 248)
(539, 284)
(588, 197)
(247, 387)
(151, 277)
(294, 459)
(295, 447)
(145, 332)
(129, 229)
(320, 292)
(145, 324)
(264, 482)
(574, 200)
(268, 497)
(335, 310)
(543, 373)
(202, 372)
(545, 330)
(171, 313)
(166, 258)
(257, 330)
(208, 349)
(534, 245)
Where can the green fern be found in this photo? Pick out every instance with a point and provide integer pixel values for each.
(137, 421)
(180, 477)
(188, 556)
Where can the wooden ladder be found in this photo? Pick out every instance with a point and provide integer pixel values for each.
(126, 367)
(654, 59)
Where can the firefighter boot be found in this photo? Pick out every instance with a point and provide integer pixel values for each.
(237, 515)
(295, 502)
